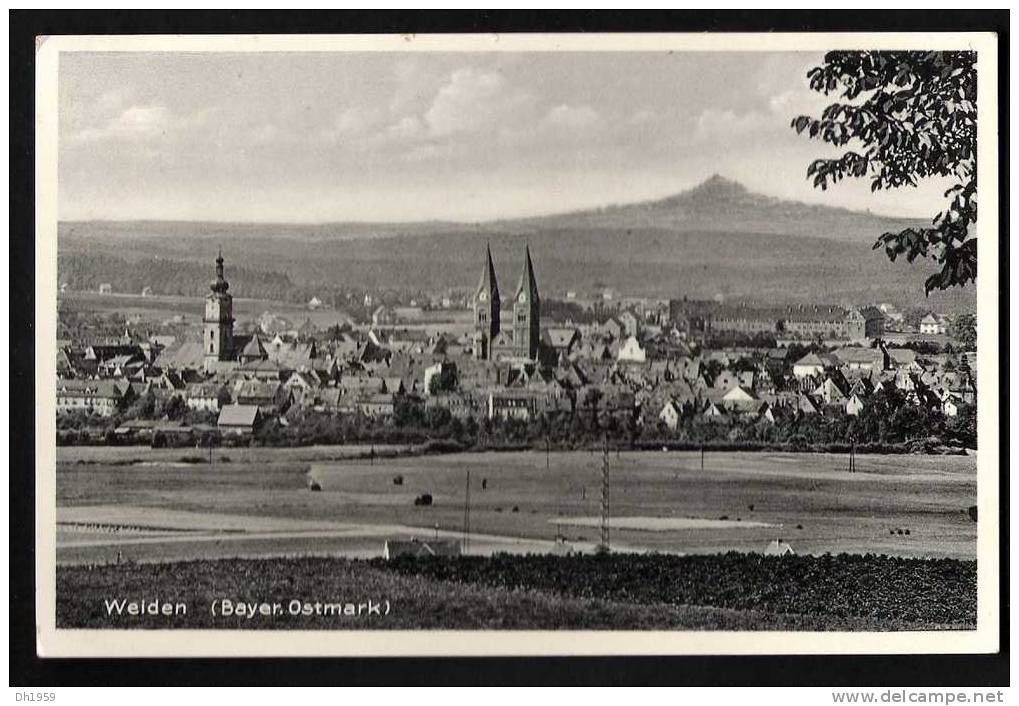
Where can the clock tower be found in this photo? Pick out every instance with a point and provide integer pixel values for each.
(218, 322)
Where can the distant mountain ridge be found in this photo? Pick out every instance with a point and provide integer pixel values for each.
(718, 238)
(720, 204)
(717, 204)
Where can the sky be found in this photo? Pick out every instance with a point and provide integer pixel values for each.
(399, 136)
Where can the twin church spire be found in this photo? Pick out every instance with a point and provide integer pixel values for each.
(519, 340)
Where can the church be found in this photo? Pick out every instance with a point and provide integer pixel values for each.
(518, 339)
(218, 322)
(222, 349)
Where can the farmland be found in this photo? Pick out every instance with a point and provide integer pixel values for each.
(150, 505)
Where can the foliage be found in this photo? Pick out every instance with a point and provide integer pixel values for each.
(906, 116)
(964, 330)
(87, 270)
(930, 592)
(418, 601)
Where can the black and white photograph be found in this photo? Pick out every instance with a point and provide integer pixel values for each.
(517, 344)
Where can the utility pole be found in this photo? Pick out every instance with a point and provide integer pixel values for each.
(605, 497)
(547, 449)
(702, 455)
(467, 514)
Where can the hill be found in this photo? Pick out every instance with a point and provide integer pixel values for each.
(718, 238)
(723, 205)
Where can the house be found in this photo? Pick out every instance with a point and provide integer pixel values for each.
(377, 405)
(204, 396)
(631, 351)
(146, 291)
(902, 359)
(268, 394)
(740, 399)
(832, 390)
(812, 365)
(715, 413)
(670, 415)
(314, 303)
(512, 404)
(806, 404)
(561, 340)
(98, 397)
(932, 325)
(856, 358)
(854, 406)
(239, 419)
(184, 355)
(459, 404)
(613, 328)
(106, 288)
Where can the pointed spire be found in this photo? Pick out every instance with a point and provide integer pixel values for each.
(488, 281)
(528, 283)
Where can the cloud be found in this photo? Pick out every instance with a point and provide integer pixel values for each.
(573, 117)
(135, 123)
(715, 123)
(351, 122)
(779, 109)
(474, 100)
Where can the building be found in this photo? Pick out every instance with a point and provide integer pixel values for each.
(99, 397)
(932, 325)
(631, 351)
(671, 415)
(239, 419)
(816, 322)
(204, 396)
(218, 322)
(487, 310)
(513, 404)
(519, 340)
(812, 364)
(864, 324)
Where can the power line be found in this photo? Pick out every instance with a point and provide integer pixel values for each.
(605, 497)
(467, 514)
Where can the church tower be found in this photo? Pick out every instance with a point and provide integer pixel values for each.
(527, 312)
(218, 322)
(487, 307)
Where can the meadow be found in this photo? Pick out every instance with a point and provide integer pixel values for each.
(904, 505)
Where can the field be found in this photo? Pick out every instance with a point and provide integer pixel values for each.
(722, 592)
(158, 308)
(153, 505)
